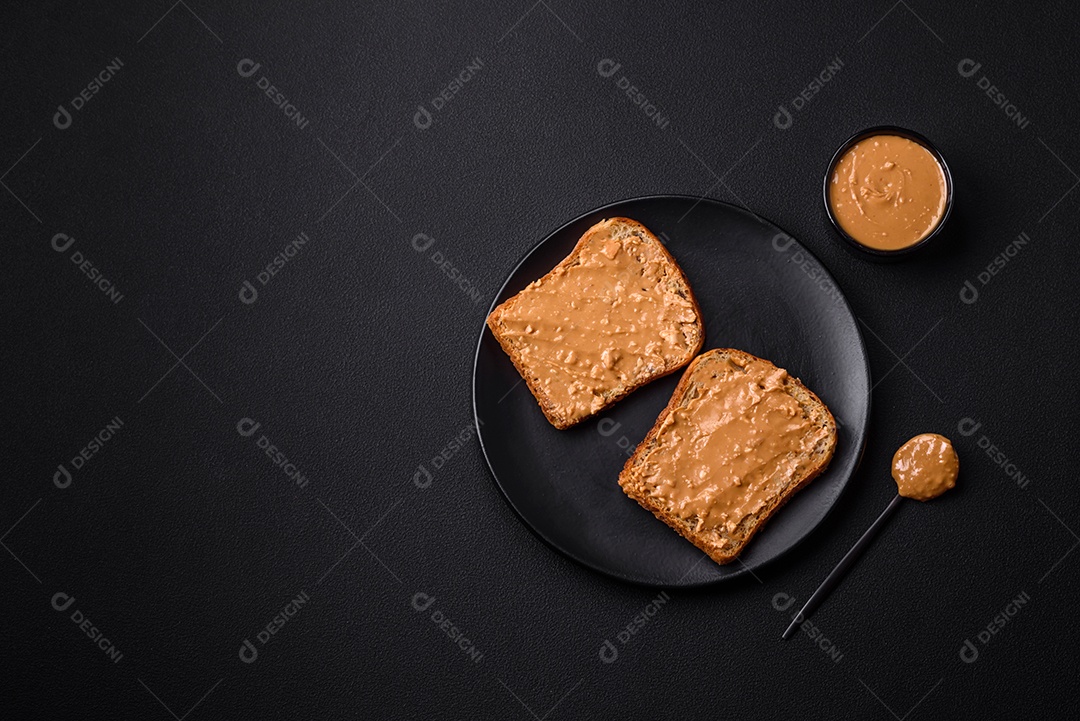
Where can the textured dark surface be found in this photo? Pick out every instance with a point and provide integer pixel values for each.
(180, 180)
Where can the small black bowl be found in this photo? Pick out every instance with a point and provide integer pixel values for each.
(900, 253)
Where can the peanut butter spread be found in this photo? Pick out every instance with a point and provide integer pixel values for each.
(888, 192)
(925, 467)
(604, 322)
(733, 447)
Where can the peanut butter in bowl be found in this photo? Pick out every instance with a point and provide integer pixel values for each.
(887, 191)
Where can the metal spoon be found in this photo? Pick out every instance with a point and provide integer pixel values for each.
(923, 468)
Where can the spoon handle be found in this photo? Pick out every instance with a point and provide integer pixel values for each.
(833, 579)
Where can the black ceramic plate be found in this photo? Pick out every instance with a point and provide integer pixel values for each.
(759, 291)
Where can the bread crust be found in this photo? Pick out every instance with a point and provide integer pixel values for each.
(551, 410)
(708, 540)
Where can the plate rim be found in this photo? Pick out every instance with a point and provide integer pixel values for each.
(745, 569)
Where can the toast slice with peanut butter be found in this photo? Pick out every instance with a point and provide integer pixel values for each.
(738, 439)
(612, 316)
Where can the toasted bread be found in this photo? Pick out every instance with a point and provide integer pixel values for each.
(613, 315)
(738, 439)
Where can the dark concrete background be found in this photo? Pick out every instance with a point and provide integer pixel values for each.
(179, 179)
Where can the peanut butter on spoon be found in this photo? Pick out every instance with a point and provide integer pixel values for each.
(923, 468)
